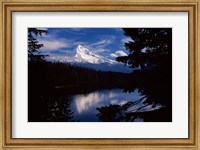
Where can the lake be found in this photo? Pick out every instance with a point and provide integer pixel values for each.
(84, 106)
(113, 105)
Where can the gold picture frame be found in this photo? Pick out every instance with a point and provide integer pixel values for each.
(9, 6)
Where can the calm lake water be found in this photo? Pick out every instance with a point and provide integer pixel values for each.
(84, 106)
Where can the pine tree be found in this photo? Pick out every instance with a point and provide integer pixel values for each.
(34, 45)
(149, 47)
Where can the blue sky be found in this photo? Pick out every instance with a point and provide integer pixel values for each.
(108, 42)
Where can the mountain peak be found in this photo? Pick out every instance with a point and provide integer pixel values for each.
(80, 46)
(84, 55)
(81, 49)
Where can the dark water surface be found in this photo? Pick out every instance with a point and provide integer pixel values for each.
(85, 106)
(108, 105)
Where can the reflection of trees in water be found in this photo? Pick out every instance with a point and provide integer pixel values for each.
(51, 109)
(155, 105)
(130, 111)
(58, 110)
(116, 113)
(155, 87)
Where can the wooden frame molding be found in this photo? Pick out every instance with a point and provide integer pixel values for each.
(10, 6)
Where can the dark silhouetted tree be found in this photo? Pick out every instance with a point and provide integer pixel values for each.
(34, 45)
(149, 48)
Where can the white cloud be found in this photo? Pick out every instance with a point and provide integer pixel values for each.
(99, 46)
(54, 44)
(100, 50)
(113, 55)
(104, 42)
(118, 53)
(57, 57)
(121, 53)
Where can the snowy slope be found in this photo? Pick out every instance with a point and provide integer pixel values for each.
(83, 55)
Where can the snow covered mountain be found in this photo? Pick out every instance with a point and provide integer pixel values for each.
(83, 55)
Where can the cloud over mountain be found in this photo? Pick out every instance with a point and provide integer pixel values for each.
(118, 53)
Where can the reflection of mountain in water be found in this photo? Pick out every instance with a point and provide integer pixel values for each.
(86, 106)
